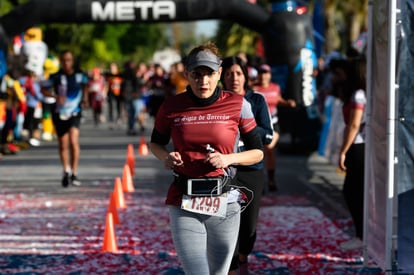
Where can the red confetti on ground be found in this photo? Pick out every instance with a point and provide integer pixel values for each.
(61, 233)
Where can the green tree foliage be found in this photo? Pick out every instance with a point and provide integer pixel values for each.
(183, 36)
(99, 44)
(143, 40)
(232, 37)
(77, 38)
(7, 5)
(344, 21)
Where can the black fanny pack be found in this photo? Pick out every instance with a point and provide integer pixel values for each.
(202, 187)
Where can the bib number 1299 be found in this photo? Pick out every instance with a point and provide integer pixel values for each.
(212, 206)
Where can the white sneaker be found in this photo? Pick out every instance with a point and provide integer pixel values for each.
(47, 136)
(352, 244)
(75, 181)
(34, 142)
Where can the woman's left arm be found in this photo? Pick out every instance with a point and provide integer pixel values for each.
(263, 120)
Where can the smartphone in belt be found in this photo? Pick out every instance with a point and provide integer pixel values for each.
(205, 187)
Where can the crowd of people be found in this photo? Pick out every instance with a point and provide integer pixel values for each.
(41, 107)
(120, 97)
(132, 93)
(220, 115)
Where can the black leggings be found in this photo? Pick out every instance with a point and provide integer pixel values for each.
(8, 125)
(117, 101)
(30, 122)
(254, 181)
(353, 189)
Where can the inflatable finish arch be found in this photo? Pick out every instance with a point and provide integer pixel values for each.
(286, 33)
(139, 11)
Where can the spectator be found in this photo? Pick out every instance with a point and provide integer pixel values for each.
(349, 78)
(140, 102)
(97, 91)
(34, 97)
(114, 81)
(177, 78)
(133, 89)
(12, 93)
(157, 85)
(273, 96)
(251, 180)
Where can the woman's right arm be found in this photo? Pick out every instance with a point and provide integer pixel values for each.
(351, 132)
(159, 151)
(171, 159)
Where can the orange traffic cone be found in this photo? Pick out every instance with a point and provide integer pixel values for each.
(109, 242)
(127, 184)
(131, 159)
(119, 194)
(112, 208)
(143, 147)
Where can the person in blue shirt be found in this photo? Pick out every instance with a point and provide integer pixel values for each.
(250, 178)
(69, 89)
(34, 97)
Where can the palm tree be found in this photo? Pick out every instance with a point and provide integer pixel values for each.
(233, 38)
(237, 39)
(344, 21)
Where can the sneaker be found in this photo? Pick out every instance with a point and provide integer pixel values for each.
(65, 179)
(75, 180)
(352, 244)
(47, 136)
(34, 142)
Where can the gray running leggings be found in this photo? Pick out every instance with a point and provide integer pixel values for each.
(205, 244)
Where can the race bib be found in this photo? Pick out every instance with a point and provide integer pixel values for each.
(212, 206)
(70, 107)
